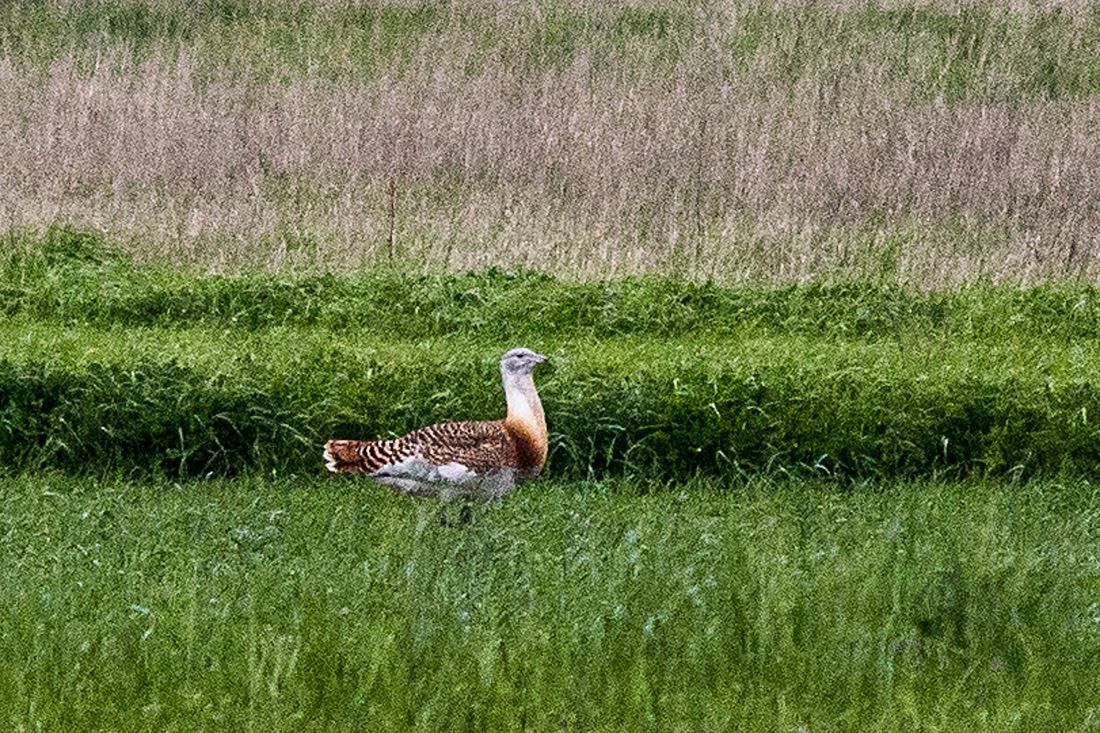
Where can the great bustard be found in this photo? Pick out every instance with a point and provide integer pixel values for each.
(482, 459)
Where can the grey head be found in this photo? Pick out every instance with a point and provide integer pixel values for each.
(519, 361)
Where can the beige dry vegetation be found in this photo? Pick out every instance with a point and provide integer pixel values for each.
(741, 141)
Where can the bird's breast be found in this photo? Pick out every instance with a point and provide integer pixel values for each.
(529, 444)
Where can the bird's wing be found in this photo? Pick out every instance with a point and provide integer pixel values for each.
(477, 446)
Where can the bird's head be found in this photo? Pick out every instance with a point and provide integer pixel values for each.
(519, 361)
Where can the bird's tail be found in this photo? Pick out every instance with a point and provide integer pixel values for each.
(346, 456)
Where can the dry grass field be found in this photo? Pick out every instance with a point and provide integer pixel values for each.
(762, 142)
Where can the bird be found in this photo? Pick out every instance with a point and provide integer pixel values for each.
(472, 459)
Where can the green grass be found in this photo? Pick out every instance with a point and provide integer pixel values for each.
(334, 605)
(842, 508)
(977, 51)
(846, 505)
(74, 278)
(108, 367)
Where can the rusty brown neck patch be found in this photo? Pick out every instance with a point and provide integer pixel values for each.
(530, 448)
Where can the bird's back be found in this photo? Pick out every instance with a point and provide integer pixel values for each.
(479, 446)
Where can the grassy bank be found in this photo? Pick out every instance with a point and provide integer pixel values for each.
(193, 402)
(105, 366)
(333, 605)
(67, 277)
(765, 143)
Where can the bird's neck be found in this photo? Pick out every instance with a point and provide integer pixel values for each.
(524, 405)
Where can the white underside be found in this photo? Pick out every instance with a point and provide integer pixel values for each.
(416, 476)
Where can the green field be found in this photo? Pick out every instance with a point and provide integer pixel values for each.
(819, 288)
(109, 367)
(849, 507)
(310, 604)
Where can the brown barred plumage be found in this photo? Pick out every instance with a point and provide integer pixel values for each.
(483, 459)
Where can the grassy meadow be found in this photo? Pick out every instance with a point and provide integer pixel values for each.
(929, 143)
(308, 604)
(818, 283)
(108, 366)
(845, 507)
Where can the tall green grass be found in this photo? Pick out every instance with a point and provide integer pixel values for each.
(107, 367)
(74, 278)
(334, 605)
